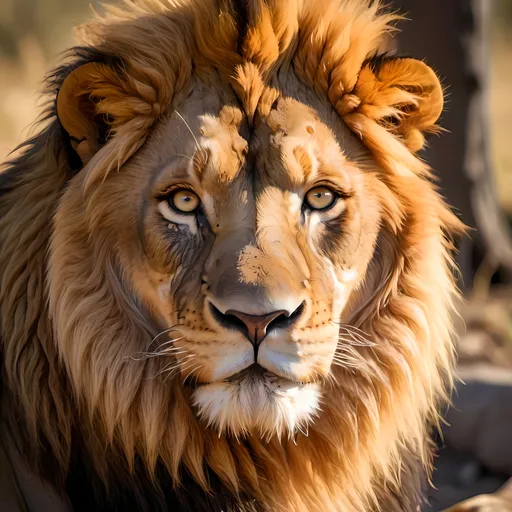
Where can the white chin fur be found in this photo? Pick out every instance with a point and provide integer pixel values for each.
(268, 406)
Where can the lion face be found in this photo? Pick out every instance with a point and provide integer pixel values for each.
(278, 221)
(247, 251)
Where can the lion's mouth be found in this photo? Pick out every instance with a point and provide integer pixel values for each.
(253, 373)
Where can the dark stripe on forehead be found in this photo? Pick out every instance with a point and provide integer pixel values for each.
(240, 10)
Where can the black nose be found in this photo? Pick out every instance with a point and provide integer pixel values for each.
(256, 327)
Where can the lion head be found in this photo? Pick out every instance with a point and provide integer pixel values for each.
(225, 274)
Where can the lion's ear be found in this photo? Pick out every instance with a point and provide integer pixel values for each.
(404, 94)
(78, 112)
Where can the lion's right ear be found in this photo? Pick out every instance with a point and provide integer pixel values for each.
(78, 109)
(402, 94)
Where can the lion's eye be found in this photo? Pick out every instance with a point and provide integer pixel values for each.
(184, 201)
(320, 198)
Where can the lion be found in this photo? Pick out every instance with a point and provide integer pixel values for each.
(227, 276)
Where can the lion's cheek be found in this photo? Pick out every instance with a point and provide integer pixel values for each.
(305, 354)
(303, 363)
(224, 360)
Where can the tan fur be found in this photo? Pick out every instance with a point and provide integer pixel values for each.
(192, 89)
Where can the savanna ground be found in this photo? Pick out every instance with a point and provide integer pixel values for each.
(34, 32)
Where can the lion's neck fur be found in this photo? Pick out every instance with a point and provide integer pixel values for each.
(369, 450)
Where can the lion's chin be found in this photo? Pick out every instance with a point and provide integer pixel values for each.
(263, 404)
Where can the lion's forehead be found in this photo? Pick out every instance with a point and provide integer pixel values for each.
(286, 152)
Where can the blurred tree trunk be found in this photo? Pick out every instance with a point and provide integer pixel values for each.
(452, 35)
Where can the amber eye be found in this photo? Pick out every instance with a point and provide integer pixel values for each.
(320, 198)
(184, 201)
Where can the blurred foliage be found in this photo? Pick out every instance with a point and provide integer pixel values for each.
(500, 101)
(503, 10)
(48, 21)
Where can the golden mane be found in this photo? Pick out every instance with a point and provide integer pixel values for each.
(367, 450)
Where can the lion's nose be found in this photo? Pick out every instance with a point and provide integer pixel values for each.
(256, 327)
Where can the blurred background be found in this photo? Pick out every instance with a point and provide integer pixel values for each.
(500, 96)
(469, 42)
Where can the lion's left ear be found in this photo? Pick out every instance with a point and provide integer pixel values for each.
(403, 94)
(98, 100)
(77, 109)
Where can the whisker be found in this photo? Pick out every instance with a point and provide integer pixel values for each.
(170, 341)
(175, 364)
(353, 329)
(189, 129)
(188, 157)
(183, 365)
(170, 329)
(192, 371)
(347, 349)
(356, 337)
(346, 344)
(345, 363)
(164, 347)
(171, 365)
(179, 369)
(157, 353)
(169, 354)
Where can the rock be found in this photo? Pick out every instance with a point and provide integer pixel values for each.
(469, 474)
(459, 476)
(481, 418)
(499, 501)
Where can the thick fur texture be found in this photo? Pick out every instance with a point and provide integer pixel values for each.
(103, 300)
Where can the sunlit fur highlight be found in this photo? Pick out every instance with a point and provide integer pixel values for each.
(60, 351)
